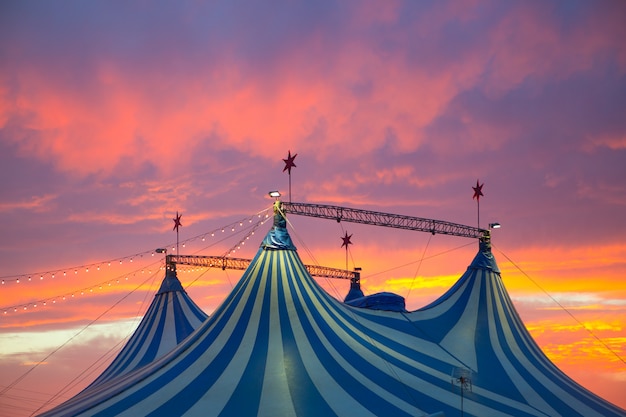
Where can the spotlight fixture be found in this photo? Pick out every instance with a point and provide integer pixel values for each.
(495, 225)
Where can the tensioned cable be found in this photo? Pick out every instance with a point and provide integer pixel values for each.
(11, 385)
(120, 342)
(308, 251)
(581, 324)
(102, 283)
(74, 381)
(86, 372)
(301, 242)
(425, 258)
(419, 265)
(355, 317)
(69, 385)
(232, 225)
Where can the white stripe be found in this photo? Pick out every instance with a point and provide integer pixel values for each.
(275, 395)
(529, 394)
(152, 372)
(333, 393)
(167, 338)
(460, 340)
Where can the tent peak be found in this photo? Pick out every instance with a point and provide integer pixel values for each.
(278, 237)
(484, 259)
(170, 282)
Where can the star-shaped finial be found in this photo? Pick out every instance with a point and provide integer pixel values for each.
(346, 240)
(177, 222)
(478, 191)
(289, 162)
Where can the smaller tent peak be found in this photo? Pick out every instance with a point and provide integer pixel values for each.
(278, 237)
(170, 282)
(484, 259)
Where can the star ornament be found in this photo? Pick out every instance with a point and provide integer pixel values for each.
(346, 240)
(177, 222)
(289, 162)
(478, 191)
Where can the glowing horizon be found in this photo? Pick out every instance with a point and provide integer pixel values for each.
(113, 118)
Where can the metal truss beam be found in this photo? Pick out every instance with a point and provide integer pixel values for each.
(242, 264)
(375, 218)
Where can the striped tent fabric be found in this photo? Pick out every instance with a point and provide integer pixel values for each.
(279, 345)
(171, 317)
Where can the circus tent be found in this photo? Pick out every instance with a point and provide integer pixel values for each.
(279, 345)
(171, 317)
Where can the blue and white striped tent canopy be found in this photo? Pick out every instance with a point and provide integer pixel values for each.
(171, 317)
(279, 345)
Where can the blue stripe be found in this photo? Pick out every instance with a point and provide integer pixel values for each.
(342, 331)
(193, 390)
(246, 397)
(307, 400)
(198, 387)
(353, 386)
(182, 325)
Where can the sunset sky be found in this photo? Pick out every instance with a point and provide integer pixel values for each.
(115, 115)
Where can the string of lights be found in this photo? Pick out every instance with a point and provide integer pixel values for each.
(98, 287)
(242, 242)
(76, 270)
(77, 293)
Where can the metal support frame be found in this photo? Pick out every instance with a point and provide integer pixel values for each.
(243, 263)
(375, 218)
